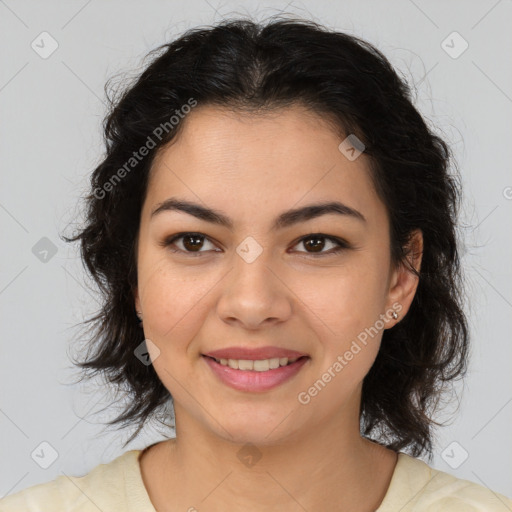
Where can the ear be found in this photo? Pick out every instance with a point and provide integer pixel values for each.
(403, 282)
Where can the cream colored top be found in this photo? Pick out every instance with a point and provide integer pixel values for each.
(118, 487)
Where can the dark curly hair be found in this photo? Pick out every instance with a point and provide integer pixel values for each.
(239, 64)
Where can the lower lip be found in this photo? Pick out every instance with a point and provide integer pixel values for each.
(250, 380)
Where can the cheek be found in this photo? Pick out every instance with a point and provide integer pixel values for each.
(175, 304)
(343, 311)
(344, 301)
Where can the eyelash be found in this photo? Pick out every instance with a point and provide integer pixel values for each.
(342, 245)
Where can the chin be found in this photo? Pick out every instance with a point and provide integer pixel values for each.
(254, 431)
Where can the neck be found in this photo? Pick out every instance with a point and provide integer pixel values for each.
(334, 466)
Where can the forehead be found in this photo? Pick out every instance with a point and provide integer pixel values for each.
(223, 137)
(247, 161)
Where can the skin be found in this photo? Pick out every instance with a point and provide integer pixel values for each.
(252, 168)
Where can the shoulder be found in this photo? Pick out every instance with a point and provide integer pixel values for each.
(106, 487)
(415, 486)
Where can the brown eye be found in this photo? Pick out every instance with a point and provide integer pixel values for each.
(315, 243)
(191, 243)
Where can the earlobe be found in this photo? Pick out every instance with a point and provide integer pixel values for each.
(405, 280)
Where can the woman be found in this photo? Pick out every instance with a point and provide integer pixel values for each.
(282, 222)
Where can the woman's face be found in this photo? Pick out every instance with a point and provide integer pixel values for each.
(260, 283)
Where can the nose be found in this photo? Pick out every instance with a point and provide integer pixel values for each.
(254, 294)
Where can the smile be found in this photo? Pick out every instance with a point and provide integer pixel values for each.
(255, 375)
(257, 365)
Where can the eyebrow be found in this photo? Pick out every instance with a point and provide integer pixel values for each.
(284, 220)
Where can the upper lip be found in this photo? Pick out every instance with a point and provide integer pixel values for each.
(254, 353)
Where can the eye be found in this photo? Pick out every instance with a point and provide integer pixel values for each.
(315, 243)
(191, 243)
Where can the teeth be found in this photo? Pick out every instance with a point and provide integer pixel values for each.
(261, 365)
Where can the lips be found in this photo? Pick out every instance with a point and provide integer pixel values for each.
(254, 353)
(255, 381)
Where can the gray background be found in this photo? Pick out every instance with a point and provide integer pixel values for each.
(50, 140)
